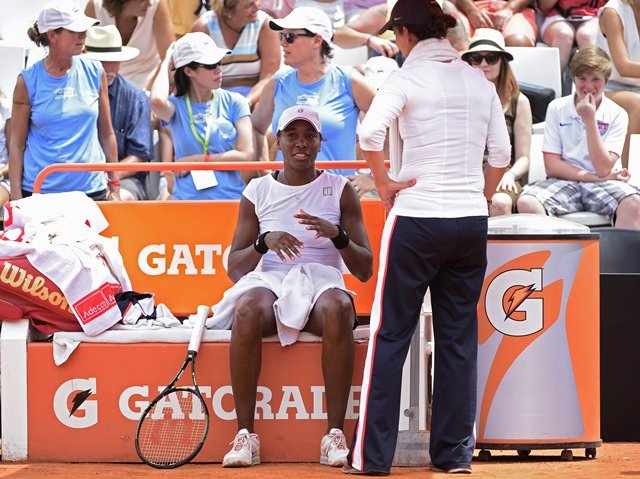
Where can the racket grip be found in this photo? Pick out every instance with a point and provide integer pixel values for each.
(198, 328)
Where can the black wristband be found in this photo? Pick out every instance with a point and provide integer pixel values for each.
(259, 245)
(342, 240)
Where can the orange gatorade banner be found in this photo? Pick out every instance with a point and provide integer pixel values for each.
(87, 409)
(179, 249)
(539, 342)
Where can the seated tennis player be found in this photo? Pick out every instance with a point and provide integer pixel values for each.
(301, 224)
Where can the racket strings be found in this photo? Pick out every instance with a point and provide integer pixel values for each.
(174, 428)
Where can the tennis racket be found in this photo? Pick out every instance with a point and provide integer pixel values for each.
(173, 428)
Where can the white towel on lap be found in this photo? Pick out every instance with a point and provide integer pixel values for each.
(296, 290)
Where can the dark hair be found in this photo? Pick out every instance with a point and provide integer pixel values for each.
(182, 81)
(437, 26)
(326, 52)
(36, 37)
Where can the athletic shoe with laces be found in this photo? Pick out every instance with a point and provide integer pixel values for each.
(333, 449)
(245, 450)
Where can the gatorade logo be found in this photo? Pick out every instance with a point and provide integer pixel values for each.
(513, 304)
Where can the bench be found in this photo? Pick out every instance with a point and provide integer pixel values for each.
(178, 251)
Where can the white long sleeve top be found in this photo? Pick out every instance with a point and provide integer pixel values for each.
(447, 113)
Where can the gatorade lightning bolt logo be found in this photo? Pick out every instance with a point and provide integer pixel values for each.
(517, 298)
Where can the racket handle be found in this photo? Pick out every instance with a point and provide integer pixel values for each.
(198, 328)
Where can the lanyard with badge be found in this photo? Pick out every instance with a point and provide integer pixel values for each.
(202, 178)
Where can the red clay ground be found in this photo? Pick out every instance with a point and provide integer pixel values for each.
(614, 460)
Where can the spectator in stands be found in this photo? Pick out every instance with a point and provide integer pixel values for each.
(583, 138)
(516, 19)
(277, 8)
(143, 24)
(206, 122)
(363, 30)
(618, 36)
(435, 235)
(61, 110)
(487, 53)
(354, 8)
(184, 13)
(129, 107)
(301, 224)
(240, 26)
(5, 133)
(338, 92)
(569, 22)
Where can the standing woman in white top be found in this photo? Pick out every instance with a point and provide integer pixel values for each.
(240, 26)
(435, 235)
(143, 24)
(618, 36)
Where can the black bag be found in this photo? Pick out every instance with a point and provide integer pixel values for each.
(539, 97)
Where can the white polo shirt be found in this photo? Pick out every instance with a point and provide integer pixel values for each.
(564, 131)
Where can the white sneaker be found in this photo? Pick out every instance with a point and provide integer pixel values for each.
(244, 452)
(333, 449)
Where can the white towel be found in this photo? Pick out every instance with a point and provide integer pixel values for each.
(86, 267)
(297, 290)
(54, 206)
(65, 343)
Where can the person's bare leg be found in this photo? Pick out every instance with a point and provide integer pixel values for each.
(253, 320)
(529, 204)
(560, 34)
(332, 318)
(628, 213)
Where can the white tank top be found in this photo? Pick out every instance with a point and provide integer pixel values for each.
(630, 35)
(141, 68)
(275, 205)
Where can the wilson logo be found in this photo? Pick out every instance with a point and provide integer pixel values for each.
(18, 278)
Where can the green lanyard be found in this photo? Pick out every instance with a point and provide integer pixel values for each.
(207, 135)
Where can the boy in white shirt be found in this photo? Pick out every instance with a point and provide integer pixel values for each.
(583, 139)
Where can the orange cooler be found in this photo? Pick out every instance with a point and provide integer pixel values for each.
(538, 337)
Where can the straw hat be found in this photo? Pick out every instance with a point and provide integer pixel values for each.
(487, 40)
(105, 44)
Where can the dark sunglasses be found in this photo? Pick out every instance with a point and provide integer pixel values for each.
(291, 37)
(476, 58)
(195, 65)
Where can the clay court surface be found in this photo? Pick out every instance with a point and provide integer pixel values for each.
(614, 460)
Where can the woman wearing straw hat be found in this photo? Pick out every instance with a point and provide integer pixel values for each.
(61, 110)
(207, 123)
(435, 235)
(143, 24)
(129, 107)
(486, 52)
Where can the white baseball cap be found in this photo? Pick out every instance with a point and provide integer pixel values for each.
(197, 47)
(64, 14)
(309, 18)
(299, 112)
(105, 44)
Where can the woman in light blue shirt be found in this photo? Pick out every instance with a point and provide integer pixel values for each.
(61, 110)
(207, 123)
(337, 92)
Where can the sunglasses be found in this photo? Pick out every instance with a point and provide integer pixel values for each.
(476, 58)
(291, 37)
(195, 65)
